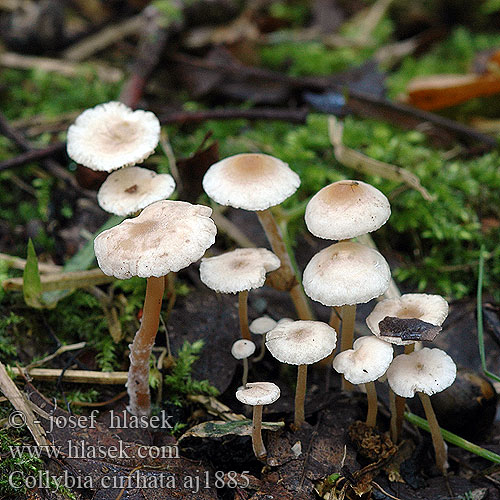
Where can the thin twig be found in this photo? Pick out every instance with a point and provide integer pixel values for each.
(77, 376)
(61, 350)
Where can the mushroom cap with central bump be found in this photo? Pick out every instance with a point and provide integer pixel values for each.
(428, 371)
(112, 136)
(250, 181)
(367, 361)
(301, 342)
(167, 236)
(346, 209)
(258, 393)
(131, 189)
(432, 309)
(346, 273)
(239, 270)
(242, 349)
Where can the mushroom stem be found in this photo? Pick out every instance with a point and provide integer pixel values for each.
(409, 348)
(300, 396)
(243, 312)
(437, 437)
(275, 238)
(262, 353)
(397, 406)
(171, 293)
(140, 349)
(258, 445)
(244, 379)
(371, 394)
(347, 336)
(334, 320)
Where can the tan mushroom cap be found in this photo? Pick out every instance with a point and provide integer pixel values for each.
(258, 393)
(346, 273)
(130, 189)
(262, 325)
(301, 342)
(425, 307)
(346, 209)
(241, 269)
(167, 236)
(242, 349)
(112, 136)
(428, 371)
(367, 361)
(250, 181)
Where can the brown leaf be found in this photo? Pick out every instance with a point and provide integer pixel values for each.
(408, 329)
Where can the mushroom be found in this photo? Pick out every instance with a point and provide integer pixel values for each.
(367, 361)
(239, 271)
(257, 182)
(258, 394)
(112, 136)
(425, 372)
(261, 326)
(301, 343)
(345, 274)
(131, 189)
(166, 237)
(243, 349)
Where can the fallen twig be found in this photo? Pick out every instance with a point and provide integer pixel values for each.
(18, 263)
(77, 376)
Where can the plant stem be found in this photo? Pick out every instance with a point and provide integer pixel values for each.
(347, 337)
(140, 349)
(244, 378)
(258, 445)
(275, 238)
(243, 313)
(371, 394)
(300, 396)
(437, 438)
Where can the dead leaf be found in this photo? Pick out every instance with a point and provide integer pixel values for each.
(408, 329)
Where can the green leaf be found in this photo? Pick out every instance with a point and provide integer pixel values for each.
(32, 286)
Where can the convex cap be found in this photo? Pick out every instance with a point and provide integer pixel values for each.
(241, 269)
(346, 209)
(346, 273)
(432, 309)
(242, 349)
(130, 189)
(167, 236)
(258, 393)
(262, 325)
(428, 371)
(301, 342)
(112, 136)
(367, 361)
(250, 181)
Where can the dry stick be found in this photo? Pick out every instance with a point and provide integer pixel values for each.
(243, 313)
(258, 445)
(300, 396)
(275, 238)
(140, 349)
(77, 376)
(347, 337)
(371, 394)
(437, 437)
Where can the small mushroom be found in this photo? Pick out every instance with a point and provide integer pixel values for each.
(239, 271)
(261, 326)
(366, 362)
(301, 343)
(131, 189)
(112, 136)
(257, 182)
(258, 394)
(425, 372)
(167, 236)
(243, 349)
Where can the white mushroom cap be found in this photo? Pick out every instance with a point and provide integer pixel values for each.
(346, 209)
(167, 236)
(241, 269)
(112, 136)
(258, 393)
(284, 320)
(429, 308)
(262, 325)
(301, 342)
(242, 349)
(367, 361)
(428, 371)
(250, 181)
(130, 189)
(346, 273)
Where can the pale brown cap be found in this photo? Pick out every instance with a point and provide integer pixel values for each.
(241, 269)
(167, 236)
(242, 349)
(258, 393)
(112, 136)
(346, 273)
(250, 181)
(130, 189)
(301, 342)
